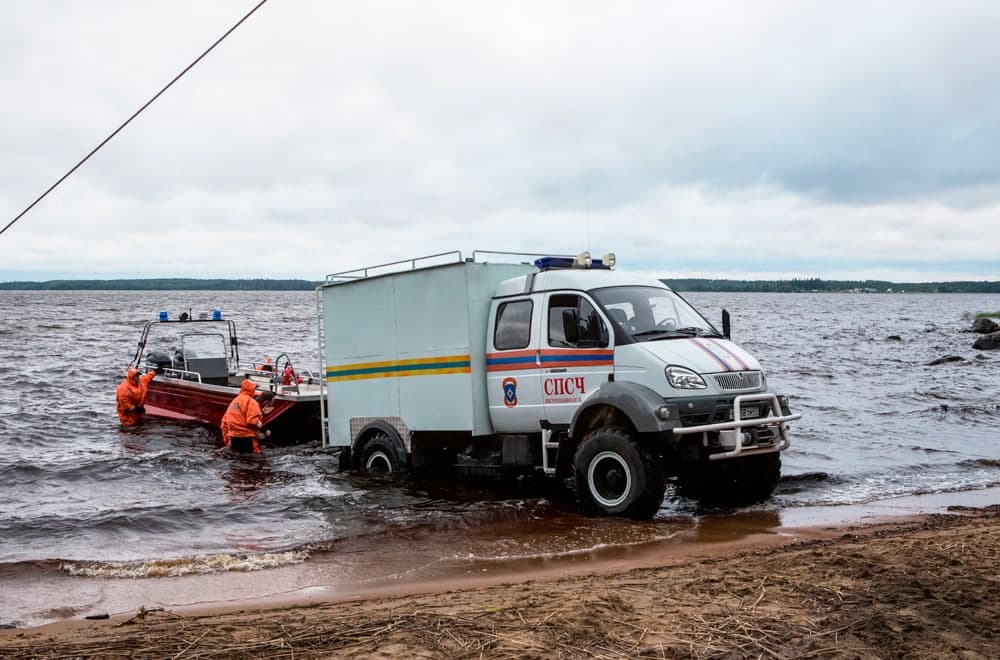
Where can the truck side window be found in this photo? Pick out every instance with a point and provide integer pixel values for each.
(592, 331)
(513, 327)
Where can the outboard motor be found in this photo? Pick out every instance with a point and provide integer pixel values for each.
(159, 360)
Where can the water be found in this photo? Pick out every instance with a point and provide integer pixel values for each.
(79, 497)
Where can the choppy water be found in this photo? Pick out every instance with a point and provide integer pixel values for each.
(81, 497)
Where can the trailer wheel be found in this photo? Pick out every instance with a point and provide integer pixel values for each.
(616, 477)
(379, 455)
(734, 481)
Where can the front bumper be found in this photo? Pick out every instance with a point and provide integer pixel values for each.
(733, 438)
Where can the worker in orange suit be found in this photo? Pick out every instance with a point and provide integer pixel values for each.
(289, 377)
(131, 396)
(242, 423)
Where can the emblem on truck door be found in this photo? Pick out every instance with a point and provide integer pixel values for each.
(509, 392)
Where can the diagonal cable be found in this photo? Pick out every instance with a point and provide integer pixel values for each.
(134, 115)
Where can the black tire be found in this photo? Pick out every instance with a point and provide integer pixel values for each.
(380, 455)
(344, 459)
(733, 481)
(617, 477)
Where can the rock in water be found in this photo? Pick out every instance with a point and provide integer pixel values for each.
(990, 342)
(985, 326)
(946, 358)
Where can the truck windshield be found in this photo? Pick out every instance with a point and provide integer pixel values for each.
(649, 313)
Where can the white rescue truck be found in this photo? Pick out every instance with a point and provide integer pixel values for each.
(563, 366)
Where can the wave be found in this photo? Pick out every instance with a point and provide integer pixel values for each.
(981, 463)
(933, 450)
(808, 477)
(985, 412)
(875, 487)
(77, 466)
(472, 557)
(180, 566)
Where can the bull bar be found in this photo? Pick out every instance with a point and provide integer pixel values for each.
(738, 424)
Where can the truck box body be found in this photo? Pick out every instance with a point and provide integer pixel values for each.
(564, 366)
(409, 347)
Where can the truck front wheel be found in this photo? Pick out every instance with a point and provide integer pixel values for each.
(733, 481)
(616, 477)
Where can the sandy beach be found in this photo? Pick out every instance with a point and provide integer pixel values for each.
(923, 587)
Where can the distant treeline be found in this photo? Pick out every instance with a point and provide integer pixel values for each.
(692, 284)
(838, 286)
(165, 284)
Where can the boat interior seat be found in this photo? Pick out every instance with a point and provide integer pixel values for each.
(213, 370)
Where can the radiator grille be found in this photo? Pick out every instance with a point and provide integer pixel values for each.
(739, 381)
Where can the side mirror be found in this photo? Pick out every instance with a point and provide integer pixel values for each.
(726, 327)
(571, 326)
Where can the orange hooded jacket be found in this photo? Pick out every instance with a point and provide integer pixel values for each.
(131, 393)
(243, 418)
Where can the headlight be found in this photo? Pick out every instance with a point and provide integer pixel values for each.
(684, 379)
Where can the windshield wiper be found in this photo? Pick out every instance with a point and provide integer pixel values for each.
(699, 332)
(676, 333)
(667, 334)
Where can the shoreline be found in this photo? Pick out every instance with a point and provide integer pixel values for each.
(816, 574)
(917, 588)
(426, 561)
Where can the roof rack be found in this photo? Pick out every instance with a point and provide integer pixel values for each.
(397, 266)
(455, 256)
(531, 256)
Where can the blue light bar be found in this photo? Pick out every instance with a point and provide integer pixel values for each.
(547, 263)
(216, 314)
(552, 263)
(164, 316)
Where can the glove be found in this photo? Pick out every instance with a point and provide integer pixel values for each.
(141, 410)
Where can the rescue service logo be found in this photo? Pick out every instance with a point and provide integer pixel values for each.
(564, 390)
(509, 392)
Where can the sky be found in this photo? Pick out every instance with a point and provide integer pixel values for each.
(761, 140)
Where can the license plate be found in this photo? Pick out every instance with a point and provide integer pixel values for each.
(749, 412)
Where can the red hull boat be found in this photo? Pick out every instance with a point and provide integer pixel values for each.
(201, 372)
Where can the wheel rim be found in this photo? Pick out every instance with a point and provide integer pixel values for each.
(378, 461)
(609, 479)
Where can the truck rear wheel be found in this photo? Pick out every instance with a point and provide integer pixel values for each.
(380, 455)
(734, 481)
(616, 477)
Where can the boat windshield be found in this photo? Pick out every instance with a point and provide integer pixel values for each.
(648, 313)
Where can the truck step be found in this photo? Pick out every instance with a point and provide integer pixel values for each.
(551, 445)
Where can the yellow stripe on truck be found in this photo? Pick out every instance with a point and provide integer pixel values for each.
(433, 366)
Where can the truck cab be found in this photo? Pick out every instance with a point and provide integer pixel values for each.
(588, 372)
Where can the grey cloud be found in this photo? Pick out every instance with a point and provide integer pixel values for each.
(388, 128)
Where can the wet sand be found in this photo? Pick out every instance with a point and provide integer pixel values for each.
(737, 586)
(538, 544)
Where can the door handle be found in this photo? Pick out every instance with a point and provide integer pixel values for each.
(557, 371)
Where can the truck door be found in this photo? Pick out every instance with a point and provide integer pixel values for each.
(572, 367)
(512, 365)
